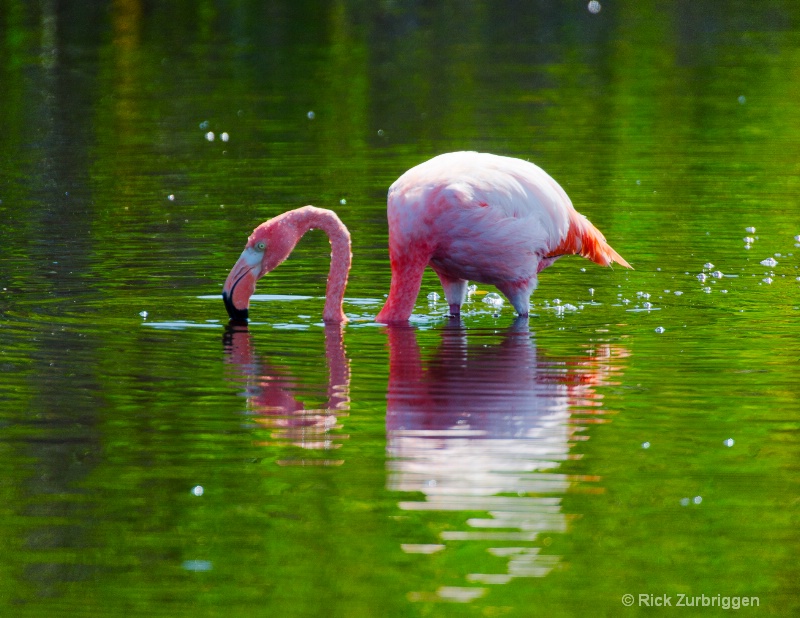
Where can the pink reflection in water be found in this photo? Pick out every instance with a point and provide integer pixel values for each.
(483, 424)
(273, 395)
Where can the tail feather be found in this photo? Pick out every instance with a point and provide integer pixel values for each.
(586, 240)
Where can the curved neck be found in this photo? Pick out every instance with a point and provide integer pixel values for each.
(312, 218)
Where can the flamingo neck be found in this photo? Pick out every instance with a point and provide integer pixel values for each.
(312, 218)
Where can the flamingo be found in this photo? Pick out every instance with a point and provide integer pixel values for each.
(470, 216)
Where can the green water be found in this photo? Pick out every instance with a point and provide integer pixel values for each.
(155, 463)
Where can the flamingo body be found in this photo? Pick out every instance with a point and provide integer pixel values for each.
(470, 216)
(481, 217)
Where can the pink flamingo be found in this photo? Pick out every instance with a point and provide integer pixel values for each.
(470, 216)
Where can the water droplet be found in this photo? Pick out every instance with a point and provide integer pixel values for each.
(707, 290)
(494, 300)
(210, 136)
(591, 291)
(594, 7)
(708, 266)
(749, 240)
(742, 100)
(311, 115)
(697, 499)
(556, 301)
(717, 274)
(767, 280)
(638, 182)
(729, 442)
(797, 238)
(645, 445)
(647, 305)
(197, 490)
(197, 565)
(750, 230)
(678, 293)
(143, 314)
(685, 501)
(171, 197)
(224, 137)
(701, 277)
(472, 289)
(433, 297)
(380, 132)
(343, 201)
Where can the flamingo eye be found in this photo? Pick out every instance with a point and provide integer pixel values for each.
(260, 246)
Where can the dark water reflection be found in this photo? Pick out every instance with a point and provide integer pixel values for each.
(478, 426)
(274, 397)
(481, 425)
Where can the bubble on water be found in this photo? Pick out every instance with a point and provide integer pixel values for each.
(707, 290)
(343, 201)
(380, 132)
(742, 100)
(729, 442)
(433, 297)
(494, 300)
(594, 7)
(697, 499)
(197, 490)
(583, 270)
(591, 291)
(197, 565)
(770, 261)
(701, 277)
(171, 197)
(638, 182)
(749, 240)
(767, 280)
(708, 266)
(717, 274)
(660, 329)
(647, 305)
(685, 501)
(143, 314)
(724, 291)
(625, 301)
(224, 137)
(644, 295)
(750, 230)
(311, 115)
(645, 445)
(210, 136)
(678, 292)
(569, 307)
(797, 238)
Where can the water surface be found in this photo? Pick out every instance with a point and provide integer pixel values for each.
(637, 435)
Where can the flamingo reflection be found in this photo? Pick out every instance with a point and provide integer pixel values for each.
(274, 395)
(483, 425)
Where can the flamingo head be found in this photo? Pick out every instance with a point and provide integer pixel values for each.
(268, 246)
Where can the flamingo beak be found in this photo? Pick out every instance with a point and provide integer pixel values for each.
(240, 285)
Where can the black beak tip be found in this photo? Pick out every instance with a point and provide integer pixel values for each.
(236, 314)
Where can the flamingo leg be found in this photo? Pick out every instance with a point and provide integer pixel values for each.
(455, 291)
(519, 294)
